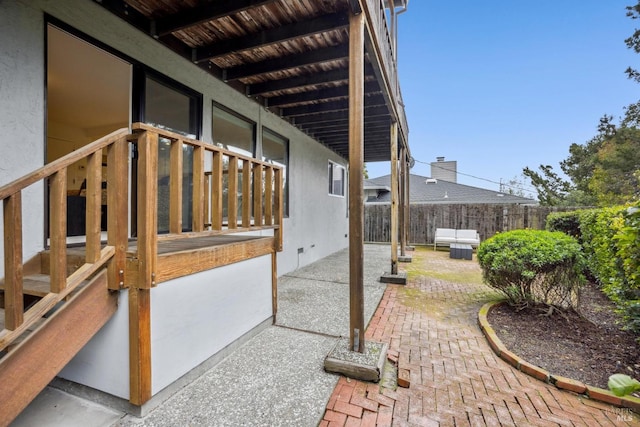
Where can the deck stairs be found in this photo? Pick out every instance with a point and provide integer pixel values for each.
(29, 362)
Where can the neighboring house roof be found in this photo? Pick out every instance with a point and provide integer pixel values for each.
(432, 191)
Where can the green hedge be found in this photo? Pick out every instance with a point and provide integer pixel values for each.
(610, 238)
(533, 267)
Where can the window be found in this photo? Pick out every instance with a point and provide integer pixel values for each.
(336, 179)
(275, 150)
(232, 132)
(168, 105)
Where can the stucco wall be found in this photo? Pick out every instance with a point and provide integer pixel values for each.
(197, 316)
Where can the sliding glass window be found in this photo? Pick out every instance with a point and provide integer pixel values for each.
(275, 150)
(168, 105)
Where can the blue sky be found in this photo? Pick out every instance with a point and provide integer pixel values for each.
(499, 85)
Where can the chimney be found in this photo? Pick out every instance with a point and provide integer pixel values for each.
(444, 170)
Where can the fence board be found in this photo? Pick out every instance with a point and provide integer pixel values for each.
(424, 219)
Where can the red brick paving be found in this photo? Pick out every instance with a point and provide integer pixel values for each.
(455, 377)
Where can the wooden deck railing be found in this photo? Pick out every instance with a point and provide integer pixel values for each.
(217, 178)
(216, 172)
(112, 254)
(375, 12)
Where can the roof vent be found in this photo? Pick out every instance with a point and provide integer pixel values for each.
(431, 181)
(500, 195)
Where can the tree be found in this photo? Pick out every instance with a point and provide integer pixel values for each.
(552, 190)
(617, 164)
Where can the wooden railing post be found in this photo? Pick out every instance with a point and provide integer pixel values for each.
(216, 191)
(268, 196)
(147, 208)
(278, 208)
(199, 194)
(175, 187)
(140, 295)
(257, 195)
(117, 210)
(94, 205)
(246, 194)
(13, 274)
(58, 230)
(232, 193)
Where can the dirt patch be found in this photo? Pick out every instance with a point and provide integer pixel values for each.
(588, 346)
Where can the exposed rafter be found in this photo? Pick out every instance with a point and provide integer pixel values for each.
(287, 62)
(334, 21)
(207, 12)
(318, 95)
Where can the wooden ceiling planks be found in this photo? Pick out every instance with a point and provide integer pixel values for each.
(289, 55)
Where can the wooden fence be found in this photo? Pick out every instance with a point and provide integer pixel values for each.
(486, 219)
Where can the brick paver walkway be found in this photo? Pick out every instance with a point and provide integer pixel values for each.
(456, 379)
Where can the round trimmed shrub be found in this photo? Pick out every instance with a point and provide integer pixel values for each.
(533, 267)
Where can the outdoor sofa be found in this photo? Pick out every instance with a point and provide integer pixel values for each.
(447, 236)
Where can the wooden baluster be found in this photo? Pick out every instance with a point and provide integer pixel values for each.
(278, 211)
(94, 205)
(58, 230)
(246, 193)
(117, 210)
(216, 191)
(175, 187)
(147, 208)
(13, 274)
(257, 195)
(207, 200)
(199, 193)
(268, 196)
(232, 194)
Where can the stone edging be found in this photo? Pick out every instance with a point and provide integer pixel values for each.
(560, 382)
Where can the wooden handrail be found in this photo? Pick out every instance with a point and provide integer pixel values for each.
(61, 285)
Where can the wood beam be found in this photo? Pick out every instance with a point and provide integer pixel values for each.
(319, 95)
(329, 117)
(338, 75)
(287, 62)
(317, 25)
(197, 15)
(356, 165)
(330, 106)
(402, 200)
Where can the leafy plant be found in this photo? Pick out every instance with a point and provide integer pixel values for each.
(623, 385)
(533, 267)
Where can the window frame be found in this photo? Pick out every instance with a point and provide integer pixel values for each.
(285, 177)
(331, 170)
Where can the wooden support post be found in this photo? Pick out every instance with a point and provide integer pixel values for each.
(407, 205)
(394, 198)
(198, 189)
(175, 187)
(94, 206)
(139, 345)
(147, 209)
(274, 285)
(117, 210)
(356, 180)
(58, 230)
(13, 273)
(403, 200)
